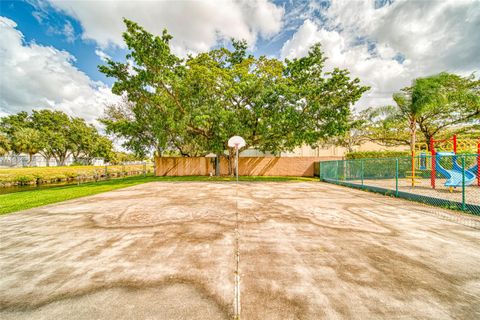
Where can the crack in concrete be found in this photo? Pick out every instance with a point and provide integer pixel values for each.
(237, 305)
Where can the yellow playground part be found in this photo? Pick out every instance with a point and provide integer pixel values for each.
(419, 163)
(421, 156)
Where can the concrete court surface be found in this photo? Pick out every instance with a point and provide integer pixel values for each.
(307, 251)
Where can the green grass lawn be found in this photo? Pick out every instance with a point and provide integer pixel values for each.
(12, 202)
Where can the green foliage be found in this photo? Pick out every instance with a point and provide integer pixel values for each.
(376, 154)
(57, 132)
(4, 144)
(27, 140)
(437, 106)
(25, 179)
(447, 101)
(52, 134)
(361, 129)
(383, 125)
(194, 105)
(120, 157)
(21, 176)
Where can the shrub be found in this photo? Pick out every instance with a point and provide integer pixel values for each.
(31, 175)
(25, 179)
(376, 154)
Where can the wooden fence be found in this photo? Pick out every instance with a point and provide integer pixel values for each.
(248, 166)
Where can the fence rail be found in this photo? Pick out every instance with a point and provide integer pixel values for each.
(446, 180)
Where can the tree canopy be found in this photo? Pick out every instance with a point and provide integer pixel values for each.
(53, 134)
(193, 105)
(436, 106)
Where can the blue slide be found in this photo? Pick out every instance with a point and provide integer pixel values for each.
(474, 169)
(454, 176)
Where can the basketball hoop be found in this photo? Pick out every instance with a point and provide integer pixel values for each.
(236, 142)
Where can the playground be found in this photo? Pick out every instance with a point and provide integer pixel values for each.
(307, 250)
(444, 173)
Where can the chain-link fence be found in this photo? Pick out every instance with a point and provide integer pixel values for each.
(447, 180)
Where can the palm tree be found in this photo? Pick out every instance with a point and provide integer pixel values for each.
(413, 102)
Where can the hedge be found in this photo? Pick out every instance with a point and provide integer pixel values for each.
(376, 154)
(40, 175)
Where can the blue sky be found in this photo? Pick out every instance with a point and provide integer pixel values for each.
(50, 49)
(48, 29)
(46, 26)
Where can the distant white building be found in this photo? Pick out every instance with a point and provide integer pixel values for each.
(22, 160)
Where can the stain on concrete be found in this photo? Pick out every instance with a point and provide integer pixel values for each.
(307, 251)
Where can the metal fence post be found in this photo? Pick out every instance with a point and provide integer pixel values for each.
(396, 177)
(336, 176)
(345, 170)
(144, 169)
(320, 170)
(463, 183)
(361, 171)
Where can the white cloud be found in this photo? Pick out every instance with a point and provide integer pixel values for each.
(35, 76)
(102, 55)
(195, 25)
(66, 30)
(432, 36)
(69, 32)
(382, 74)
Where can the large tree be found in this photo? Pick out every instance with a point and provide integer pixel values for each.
(453, 103)
(87, 143)
(56, 128)
(356, 135)
(434, 106)
(27, 140)
(195, 104)
(385, 126)
(54, 134)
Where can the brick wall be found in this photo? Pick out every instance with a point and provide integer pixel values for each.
(248, 166)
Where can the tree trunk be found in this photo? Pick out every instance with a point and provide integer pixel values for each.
(413, 129)
(231, 161)
(30, 158)
(61, 160)
(413, 137)
(217, 165)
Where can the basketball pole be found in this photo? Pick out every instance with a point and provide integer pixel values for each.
(237, 142)
(236, 161)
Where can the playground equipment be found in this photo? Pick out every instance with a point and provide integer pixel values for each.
(419, 163)
(456, 176)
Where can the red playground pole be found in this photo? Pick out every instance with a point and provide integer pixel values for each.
(434, 163)
(455, 143)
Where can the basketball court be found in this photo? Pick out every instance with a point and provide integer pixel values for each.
(305, 250)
